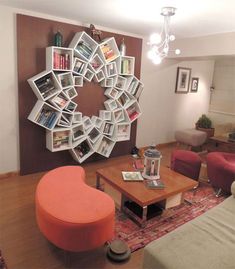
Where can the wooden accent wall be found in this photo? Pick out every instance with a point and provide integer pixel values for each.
(33, 36)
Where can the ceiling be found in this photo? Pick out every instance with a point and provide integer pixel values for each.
(192, 18)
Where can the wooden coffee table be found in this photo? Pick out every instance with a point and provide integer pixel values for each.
(110, 178)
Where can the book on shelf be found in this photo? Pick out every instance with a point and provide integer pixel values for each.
(103, 147)
(60, 101)
(61, 61)
(93, 134)
(82, 149)
(84, 49)
(126, 66)
(66, 80)
(46, 117)
(60, 139)
(154, 184)
(46, 85)
(132, 176)
(78, 133)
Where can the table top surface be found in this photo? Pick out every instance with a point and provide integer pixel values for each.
(222, 139)
(175, 183)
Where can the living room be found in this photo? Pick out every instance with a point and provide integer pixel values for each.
(206, 49)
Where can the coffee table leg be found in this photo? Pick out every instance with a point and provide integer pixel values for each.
(144, 216)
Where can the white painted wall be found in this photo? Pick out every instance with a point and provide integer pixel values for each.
(164, 111)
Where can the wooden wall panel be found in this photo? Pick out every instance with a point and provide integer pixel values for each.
(33, 36)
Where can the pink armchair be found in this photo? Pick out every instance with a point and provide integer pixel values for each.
(221, 170)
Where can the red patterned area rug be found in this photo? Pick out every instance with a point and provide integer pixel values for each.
(196, 203)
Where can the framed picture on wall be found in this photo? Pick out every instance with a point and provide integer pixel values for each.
(182, 80)
(194, 84)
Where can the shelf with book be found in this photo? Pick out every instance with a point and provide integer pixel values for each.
(112, 93)
(65, 79)
(133, 110)
(123, 99)
(93, 134)
(110, 104)
(99, 76)
(96, 63)
(79, 66)
(87, 122)
(78, 132)
(78, 81)
(60, 100)
(45, 85)
(120, 82)
(71, 107)
(59, 59)
(118, 115)
(84, 46)
(77, 117)
(105, 115)
(66, 119)
(105, 146)
(132, 85)
(126, 65)
(88, 76)
(96, 121)
(82, 150)
(122, 131)
(108, 128)
(109, 50)
(107, 82)
(111, 69)
(44, 115)
(71, 92)
(59, 139)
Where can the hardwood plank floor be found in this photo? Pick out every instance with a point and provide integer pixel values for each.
(22, 244)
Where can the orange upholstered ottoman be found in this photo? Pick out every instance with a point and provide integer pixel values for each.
(71, 214)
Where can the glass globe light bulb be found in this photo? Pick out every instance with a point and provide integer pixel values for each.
(172, 37)
(166, 49)
(177, 51)
(157, 59)
(155, 39)
(151, 54)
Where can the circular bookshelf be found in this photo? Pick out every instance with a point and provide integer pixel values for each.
(67, 69)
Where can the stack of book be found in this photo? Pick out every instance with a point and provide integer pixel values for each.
(46, 86)
(82, 149)
(46, 118)
(84, 49)
(60, 101)
(132, 113)
(60, 139)
(126, 66)
(78, 66)
(61, 61)
(108, 128)
(108, 52)
(103, 147)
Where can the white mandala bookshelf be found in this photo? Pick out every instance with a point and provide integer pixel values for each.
(67, 69)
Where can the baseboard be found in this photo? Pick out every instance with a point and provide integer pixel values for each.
(172, 143)
(9, 174)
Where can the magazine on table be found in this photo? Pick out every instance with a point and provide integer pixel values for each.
(132, 176)
(154, 184)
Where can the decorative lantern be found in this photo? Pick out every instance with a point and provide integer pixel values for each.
(152, 158)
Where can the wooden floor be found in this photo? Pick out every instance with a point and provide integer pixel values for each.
(22, 244)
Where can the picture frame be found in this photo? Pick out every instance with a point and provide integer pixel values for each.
(182, 80)
(194, 84)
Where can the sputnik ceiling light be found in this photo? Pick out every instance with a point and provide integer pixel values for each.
(159, 43)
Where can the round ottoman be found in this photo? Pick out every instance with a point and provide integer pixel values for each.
(187, 163)
(70, 214)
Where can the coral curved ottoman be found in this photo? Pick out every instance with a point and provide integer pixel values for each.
(71, 214)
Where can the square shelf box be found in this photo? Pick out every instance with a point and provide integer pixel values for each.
(96, 63)
(111, 93)
(107, 82)
(59, 139)
(82, 150)
(78, 81)
(108, 128)
(105, 146)
(122, 131)
(78, 132)
(45, 85)
(87, 122)
(88, 76)
(105, 115)
(120, 82)
(133, 111)
(71, 92)
(84, 46)
(118, 115)
(77, 117)
(44, 115)
(65, 79)
(109, 50)
(96, 121)
(99, 76)
(59, 59)
(66, 119)
(110, 104)
(133, 84)
(123, 99)
(93, 135)
(79, 66)
(138, 90)
(60, 100)
(71, 107)
(111, 69)
(127, 65)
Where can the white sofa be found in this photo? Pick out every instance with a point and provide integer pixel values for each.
(207, 242)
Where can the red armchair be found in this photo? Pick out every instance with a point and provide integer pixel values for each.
(221, 170)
